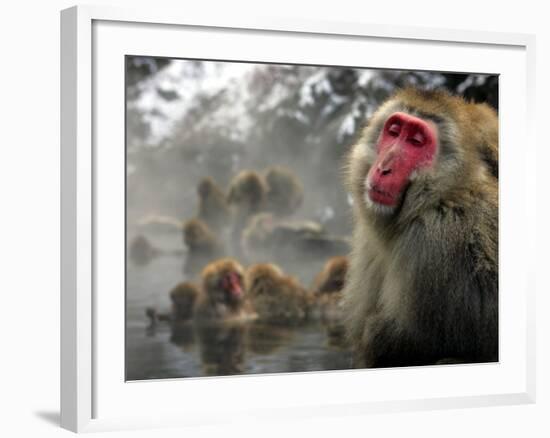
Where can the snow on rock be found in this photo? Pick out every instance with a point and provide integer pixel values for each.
(317, 84)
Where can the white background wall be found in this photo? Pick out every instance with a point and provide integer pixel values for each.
(29, 215)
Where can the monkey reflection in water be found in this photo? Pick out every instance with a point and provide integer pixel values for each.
(327, 292)
(266, 339)
(183, 297)
(221, 314)
(222, 347)
(182, 334)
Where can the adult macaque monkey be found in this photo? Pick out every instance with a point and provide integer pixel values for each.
(423, 280)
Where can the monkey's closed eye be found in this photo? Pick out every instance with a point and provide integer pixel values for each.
(417, 139)
(394, 130)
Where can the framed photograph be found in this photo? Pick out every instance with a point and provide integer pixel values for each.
(253, 208)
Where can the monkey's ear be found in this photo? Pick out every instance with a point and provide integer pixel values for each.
(489, 155)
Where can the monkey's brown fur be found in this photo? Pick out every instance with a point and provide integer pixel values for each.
(327, 290)
(285, 192)
(214, 302)
(328, 285)
(423, 280)
(203, 246)
(200, 240)
(183, 297)
(246, 195)
(277, 298)
(213, 208)
(332, 278)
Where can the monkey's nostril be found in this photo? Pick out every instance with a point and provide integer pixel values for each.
(385, 171)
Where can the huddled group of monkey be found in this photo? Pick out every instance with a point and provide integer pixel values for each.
(258, 306)
(419, 284)
(252, 224)
(227, 292)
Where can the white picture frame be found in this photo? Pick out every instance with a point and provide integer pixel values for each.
(93, 396)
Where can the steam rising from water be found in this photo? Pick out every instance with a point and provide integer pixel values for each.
(190, 119)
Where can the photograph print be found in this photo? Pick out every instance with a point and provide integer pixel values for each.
(292, 218)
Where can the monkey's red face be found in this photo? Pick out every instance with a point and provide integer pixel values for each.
(405, 145)
(231, 283)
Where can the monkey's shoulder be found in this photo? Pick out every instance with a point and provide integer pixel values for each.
(450, 238)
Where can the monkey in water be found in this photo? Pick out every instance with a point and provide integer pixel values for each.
(332, 277)
(327, 288)
(213, 208)
(423, 281)
(277, 298)
(200, 240)
(285, 192)
(202, 244)
(183, 297)
(142, 251)
(246, 197)
(222, 296)
(220, 316)
(327, 291)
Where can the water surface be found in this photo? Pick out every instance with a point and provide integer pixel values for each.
(186, 350)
